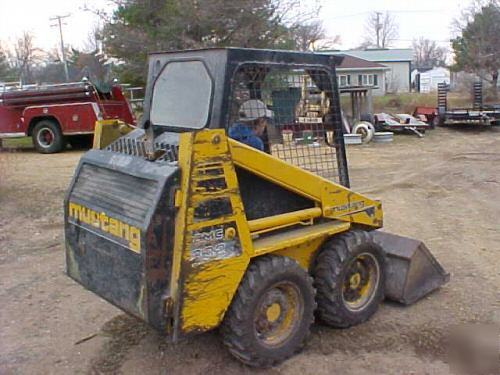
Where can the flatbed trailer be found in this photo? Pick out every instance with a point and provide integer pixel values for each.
(479, 114)
(483, 117)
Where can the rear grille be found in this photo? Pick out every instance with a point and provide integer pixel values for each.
(117, 194)
(136, 147)
(171, 152)
(128, 146)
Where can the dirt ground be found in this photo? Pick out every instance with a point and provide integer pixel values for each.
(443, 189)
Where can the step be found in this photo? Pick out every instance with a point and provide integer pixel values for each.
(297, 236)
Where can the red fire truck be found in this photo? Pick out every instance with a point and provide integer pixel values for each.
(54, 115)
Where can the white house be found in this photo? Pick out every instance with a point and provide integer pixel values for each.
(355, 72)
(358, 72)
(426, 80)
(398, 76)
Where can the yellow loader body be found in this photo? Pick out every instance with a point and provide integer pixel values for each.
(206, 270)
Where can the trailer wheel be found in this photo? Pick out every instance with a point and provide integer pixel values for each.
(270, 317)
(349, 275)
(436, 121)
(366, 129)
(47, 137)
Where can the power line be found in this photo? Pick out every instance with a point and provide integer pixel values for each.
(349, 15)
(417, 11)
(389, 11)
(63, 53)
(431, 40)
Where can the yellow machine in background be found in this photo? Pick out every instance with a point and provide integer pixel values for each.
(313, 104)
(189, 230)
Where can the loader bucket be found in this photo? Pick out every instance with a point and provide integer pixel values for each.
(411, 270)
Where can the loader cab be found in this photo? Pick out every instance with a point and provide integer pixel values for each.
(198, 89)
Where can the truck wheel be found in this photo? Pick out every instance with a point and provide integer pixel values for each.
(349, 275)
(270, 317)
(47, 137)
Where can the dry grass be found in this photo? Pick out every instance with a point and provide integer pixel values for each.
(406, 102)
(24, 142)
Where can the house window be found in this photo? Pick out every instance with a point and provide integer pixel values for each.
(368, 80)
(344, 80)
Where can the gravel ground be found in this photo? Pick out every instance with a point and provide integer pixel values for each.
(443, 189)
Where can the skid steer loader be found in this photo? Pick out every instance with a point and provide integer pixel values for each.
(188, 229)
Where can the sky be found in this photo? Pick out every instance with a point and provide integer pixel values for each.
(416, 18)
(17, 16)
(428, 18)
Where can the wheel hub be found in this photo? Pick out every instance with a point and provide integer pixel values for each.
(45, 137)
(355, 280)
(360, 282)
(277, 314)
(273, 312)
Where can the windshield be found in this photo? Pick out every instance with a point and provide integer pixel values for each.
(182, 95)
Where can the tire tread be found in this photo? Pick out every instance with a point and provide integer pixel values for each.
(335, 253)
(234, 328)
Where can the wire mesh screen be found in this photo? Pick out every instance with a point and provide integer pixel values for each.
(287, 113)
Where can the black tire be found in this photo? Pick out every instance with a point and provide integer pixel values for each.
(81, 141)
(437, 121)
(251, 330)
(47, 137)
(345, 266)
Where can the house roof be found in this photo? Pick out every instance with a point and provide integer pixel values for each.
(351, 62)
(381, 55)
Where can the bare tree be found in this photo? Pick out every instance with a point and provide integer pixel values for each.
(381, 29)
(94, 39)
(467, 14)
(26, 56)
(428, 54)
(297, 12)
(6, 71)
(312, 37)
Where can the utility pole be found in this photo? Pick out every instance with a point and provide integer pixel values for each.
(378, 28)
(63, 53)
